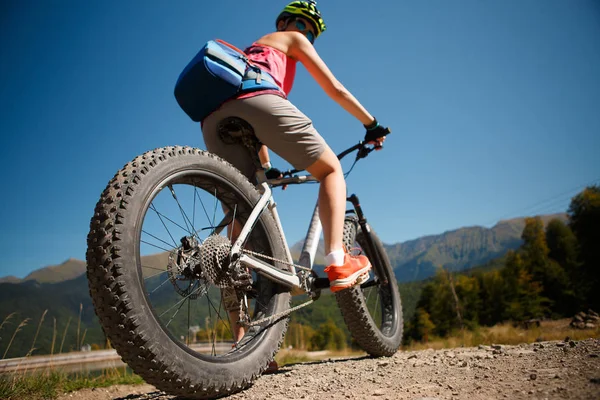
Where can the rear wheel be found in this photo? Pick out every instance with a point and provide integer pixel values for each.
(158, 266)
(373, 310)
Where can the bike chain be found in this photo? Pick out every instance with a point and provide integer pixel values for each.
(283, 313)
(277, 316)
(275, 259)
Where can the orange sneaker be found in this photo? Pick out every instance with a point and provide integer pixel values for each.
(355, 271)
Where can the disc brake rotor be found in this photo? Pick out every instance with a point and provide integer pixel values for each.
(184, 283)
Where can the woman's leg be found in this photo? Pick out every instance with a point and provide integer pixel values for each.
(332, 198)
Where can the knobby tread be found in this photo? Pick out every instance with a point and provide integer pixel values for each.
(109, 264)
(354, 309)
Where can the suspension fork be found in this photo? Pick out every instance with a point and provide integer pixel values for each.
(362, 221)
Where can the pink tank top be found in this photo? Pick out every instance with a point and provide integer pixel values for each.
(281, 67)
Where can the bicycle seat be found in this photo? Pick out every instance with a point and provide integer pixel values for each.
(236, 130)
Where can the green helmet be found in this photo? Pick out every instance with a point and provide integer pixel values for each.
(306, 9)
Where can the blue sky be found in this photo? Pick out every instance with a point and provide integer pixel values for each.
(494, 107)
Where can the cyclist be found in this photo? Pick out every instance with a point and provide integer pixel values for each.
(280, 126)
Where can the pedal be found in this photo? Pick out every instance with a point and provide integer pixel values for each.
(362, 279)
(321, 283)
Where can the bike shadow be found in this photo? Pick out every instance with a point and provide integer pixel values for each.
(158, 395)
(148, 396)
(289, 367)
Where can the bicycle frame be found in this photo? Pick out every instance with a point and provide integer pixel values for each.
(309, 250)
(286, 278)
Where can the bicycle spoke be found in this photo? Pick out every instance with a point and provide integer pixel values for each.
(155, 289)
(212, 306)
(157, 269)
(215, 328)
(185, 219)
(155, 246)
(176, 311)
(376, 306)
(181, 301)
(161, 216)
(163, 223)
(158, 273)
(187, 340)
(215, 207)
(185, 209)
(233, 223)
(204, 208)
(194, 206)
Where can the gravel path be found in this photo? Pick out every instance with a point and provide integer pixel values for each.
(546, 370)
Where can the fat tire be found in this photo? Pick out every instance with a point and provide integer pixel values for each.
(118, 296)
(352, 303)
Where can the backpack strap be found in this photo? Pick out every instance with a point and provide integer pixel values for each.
(258, 75)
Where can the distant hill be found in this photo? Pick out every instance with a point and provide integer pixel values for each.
(70, 269)
(55, 290)
(10, 279)
(457, 250)
(73, 268)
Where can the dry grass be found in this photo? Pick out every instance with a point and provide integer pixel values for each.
(44, 386)
(508, 334)
(48, 383)
(294, 356)
(17, 330)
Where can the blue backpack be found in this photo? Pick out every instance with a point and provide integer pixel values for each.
(216, 74)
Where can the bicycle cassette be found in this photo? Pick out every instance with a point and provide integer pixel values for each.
(214, 260)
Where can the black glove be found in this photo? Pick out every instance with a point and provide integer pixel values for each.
(273, 173)
(375, 131)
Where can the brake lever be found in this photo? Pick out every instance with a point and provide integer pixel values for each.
(364, 151)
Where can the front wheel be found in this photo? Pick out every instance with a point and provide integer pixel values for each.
(373, 310)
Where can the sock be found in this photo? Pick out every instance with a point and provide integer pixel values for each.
(336, 257)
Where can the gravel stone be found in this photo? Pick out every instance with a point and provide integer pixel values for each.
(521, 373)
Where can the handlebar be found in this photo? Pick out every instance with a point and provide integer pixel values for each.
(290, 177)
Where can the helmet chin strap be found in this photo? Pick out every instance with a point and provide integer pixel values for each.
(286, 22)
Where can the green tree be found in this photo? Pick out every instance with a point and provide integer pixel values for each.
(423, 325)
(492, 296)
(563, 247)
(523, 293)
(412, 328)
(328, 337)
(584, 220)
(534, 243)
(468, 290)
(299, 336)
(551, 276)
(442, 306)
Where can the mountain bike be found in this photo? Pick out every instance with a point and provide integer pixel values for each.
(161, 255)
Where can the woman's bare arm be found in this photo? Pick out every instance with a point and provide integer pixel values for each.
(297, 46)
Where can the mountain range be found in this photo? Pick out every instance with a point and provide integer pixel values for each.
(456, 250)
(62, 289)
(412, 260)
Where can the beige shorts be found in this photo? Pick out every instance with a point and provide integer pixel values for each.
(277, 123)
